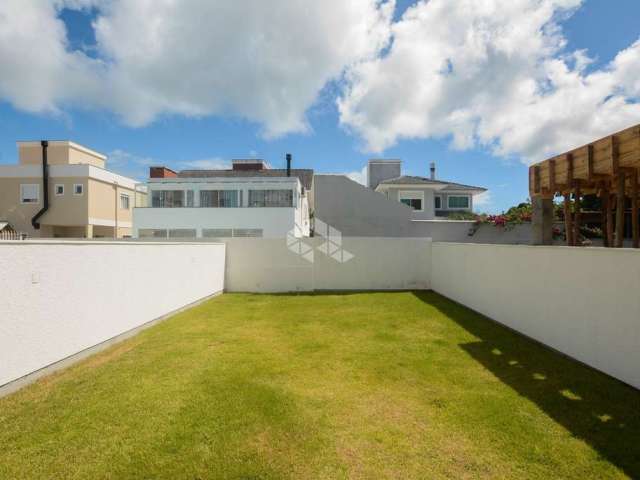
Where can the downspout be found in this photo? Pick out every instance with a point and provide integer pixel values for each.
(45, 186)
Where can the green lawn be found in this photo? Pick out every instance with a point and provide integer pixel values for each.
(366, 385)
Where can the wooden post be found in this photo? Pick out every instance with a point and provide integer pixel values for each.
(576, 216)
(609, 216)
(568, 227)
(620, 210)
(606, 208)
(634, 210)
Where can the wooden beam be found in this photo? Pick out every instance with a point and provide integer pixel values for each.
(615, 159)
(536, 179)
(635, 222)
(609, 214)
(576, 216)
(591, 174)
(552, 175)
(570, 169)
(568, 227)
(620, 210)
(606, 209)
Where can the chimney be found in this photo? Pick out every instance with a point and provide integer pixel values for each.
(433, 171)
(288, 164)
(161, 172)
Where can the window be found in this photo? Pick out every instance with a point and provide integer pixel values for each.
(438, 202)
(189, 198)
(247, 232)
(59, 189)
(217, 232)
(219, 198)
(167, 198)
(152, 233)
(78, 189)
(182, 233)
(458, 201)
(30, 193)
(412, 199)
(271, 198)
(124, 201)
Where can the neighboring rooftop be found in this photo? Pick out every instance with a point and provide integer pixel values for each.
(60, 152)
(414, 180)
(253, 167)
(304, 175)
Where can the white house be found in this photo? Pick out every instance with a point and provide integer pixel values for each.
(429, 198)
(249, 200)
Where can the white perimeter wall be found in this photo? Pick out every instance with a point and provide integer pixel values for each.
(584, 302)
(59, 298)
(358, 263)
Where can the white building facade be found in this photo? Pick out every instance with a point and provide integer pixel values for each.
(223, 204)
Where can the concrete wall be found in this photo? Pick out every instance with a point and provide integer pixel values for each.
(276, 265)
(583, 302)
(443, 230)
(59, 298)
(358, 211)
(274, 222)
(379, 170)
(363, 263)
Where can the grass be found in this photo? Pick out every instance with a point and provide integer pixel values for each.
(366, 385)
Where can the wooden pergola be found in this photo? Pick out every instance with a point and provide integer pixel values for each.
(609, 168)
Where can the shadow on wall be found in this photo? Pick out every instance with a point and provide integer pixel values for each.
(594, 407)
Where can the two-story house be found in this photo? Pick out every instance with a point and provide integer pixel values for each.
(249, 200)
(62, 189)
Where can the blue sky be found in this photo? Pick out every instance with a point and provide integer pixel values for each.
(179, 140)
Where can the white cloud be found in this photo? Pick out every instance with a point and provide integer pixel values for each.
(492, 73)
(206, 164)
(358, 176)
(129, 164)
(482, 200)
(489, 73)
(38, 72)
(262, 61)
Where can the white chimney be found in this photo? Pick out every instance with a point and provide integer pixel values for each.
(433, 171)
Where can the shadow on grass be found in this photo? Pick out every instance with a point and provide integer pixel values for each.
(594, 407)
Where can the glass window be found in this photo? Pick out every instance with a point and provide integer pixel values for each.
(124, 201)
(271, 198)
(247, 232)
(189, 198)
(152, 233)
(167, 198)
(59, 190)
(182, 233)
(30, 193)
(217, 232)
(460, 201)
(415, 203)
(219, 198)
(438, 202)
(78, 189)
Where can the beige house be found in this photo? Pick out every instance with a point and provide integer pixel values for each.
(81, 199)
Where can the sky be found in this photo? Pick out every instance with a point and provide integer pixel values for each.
(483, 88)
